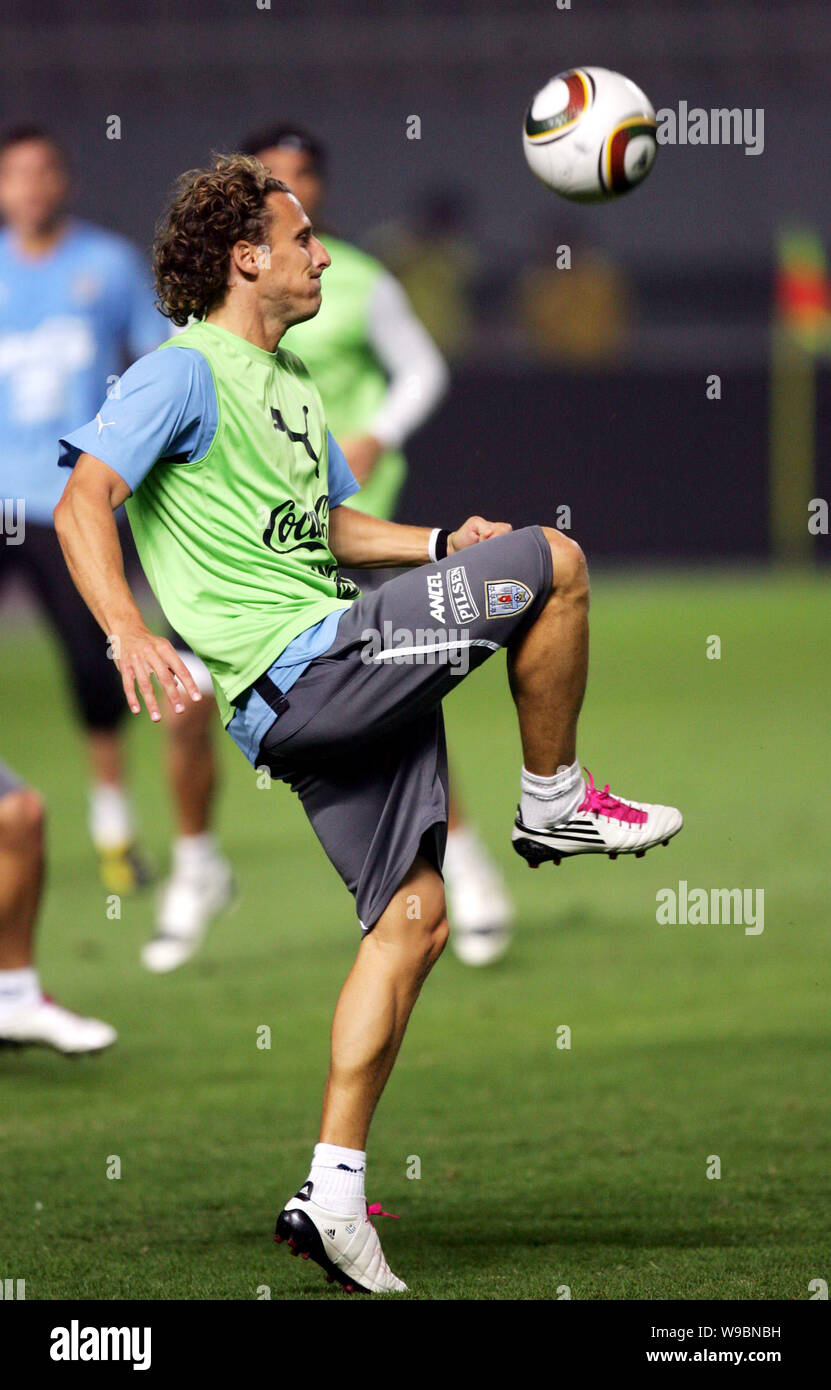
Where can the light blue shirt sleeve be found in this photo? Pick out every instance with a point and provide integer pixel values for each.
(342, 481)
(164, 407)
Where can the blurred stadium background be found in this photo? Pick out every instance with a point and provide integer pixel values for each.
(694, 515)
(683, 281)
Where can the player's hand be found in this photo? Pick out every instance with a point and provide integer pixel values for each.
(475, 529)
(140, 655)
(362, 453)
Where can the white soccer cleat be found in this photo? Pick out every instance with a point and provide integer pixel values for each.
(46, 1024)
(346, 1247)
(602, 824)
(478, 905)
(190, 901)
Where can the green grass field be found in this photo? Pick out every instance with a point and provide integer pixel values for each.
(540, 1166)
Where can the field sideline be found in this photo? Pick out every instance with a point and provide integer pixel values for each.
(541, 1167)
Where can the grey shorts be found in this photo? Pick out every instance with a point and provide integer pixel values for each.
(360, 736)
(8, 781)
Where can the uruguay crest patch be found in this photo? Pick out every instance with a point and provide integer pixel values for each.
(504, 597)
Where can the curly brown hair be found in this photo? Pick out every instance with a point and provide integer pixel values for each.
(211, 211)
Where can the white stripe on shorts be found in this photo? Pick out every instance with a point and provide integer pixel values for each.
(437, 647)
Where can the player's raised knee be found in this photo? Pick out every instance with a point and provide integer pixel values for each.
(570, 570)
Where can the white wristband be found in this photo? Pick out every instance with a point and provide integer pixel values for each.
(431, 544)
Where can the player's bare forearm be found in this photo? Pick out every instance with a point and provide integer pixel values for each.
(88, 534)
(360, 541)
(85, 524)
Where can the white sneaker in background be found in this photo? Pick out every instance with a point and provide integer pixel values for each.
(46, 1024)
(191, 898)
(478, 905)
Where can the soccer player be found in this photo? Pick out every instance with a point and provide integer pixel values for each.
(27, 1015)
(74, 305)
(381, 376)
(235, 490)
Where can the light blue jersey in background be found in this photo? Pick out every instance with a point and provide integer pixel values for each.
(70, 322)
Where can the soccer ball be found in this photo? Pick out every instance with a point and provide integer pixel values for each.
(589, 134)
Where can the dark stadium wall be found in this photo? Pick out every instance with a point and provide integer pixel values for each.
(649, 467)
(619, 448)
(187, 77)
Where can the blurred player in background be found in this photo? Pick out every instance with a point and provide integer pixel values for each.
(201, 883)
(381, 376)
(75, 308)
(27, 1015)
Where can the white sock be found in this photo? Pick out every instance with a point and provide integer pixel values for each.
(338, 1177)
(192, 851)
(462, 846)
(546, 801)
(110, 817)
(19, 989)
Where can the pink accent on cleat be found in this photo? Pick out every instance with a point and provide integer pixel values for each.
(377, 1210)
(604, 804)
